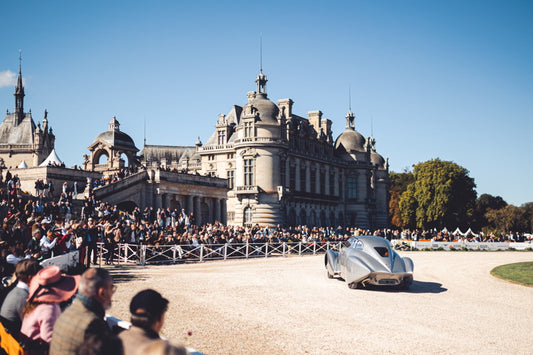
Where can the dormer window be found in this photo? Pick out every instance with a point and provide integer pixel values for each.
(248, 129)
(221, 137)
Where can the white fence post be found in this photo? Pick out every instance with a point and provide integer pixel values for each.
(247, 251)
(225, 251)
(201, 252)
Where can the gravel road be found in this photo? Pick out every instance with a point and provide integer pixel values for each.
(288, 306)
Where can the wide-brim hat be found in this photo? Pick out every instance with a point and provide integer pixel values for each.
(50, 286)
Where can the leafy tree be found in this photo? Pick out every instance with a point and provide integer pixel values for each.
(484, 203)
(442, 195)
(528, 209)
(398, 183)
(509, 218)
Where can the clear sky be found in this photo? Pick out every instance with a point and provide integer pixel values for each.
(429, 79)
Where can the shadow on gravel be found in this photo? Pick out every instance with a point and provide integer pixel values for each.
(125, 273)
(426, 287)
(416, 287)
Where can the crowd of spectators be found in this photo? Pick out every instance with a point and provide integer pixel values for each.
(41, 227)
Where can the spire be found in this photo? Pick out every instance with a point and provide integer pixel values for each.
(19, 94)
(350, 117)
(261, 79)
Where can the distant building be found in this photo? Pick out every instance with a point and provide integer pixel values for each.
(285, 169)
(113, 145)
(20, 139)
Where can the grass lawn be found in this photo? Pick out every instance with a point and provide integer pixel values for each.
(521, 273)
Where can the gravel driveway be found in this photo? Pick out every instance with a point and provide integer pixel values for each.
(288, 306)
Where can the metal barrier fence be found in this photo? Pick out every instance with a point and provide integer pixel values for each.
(162, 254)
(411, 244)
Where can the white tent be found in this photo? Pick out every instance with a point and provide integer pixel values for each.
(52, 159)
(22, 165)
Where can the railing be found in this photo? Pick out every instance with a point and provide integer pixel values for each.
(171, 254)
(411, 244)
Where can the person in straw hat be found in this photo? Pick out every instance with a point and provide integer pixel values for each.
(48, 288)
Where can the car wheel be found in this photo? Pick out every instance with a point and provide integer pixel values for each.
(406, 283)
(354, 285)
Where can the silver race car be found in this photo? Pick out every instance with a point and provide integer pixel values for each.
(369, 260)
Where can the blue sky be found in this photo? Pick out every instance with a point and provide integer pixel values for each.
(430, 79)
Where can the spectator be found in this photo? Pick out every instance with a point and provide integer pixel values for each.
(48, 288)
(11, 311)
(147, 310)
(48, 243)
(84, 319)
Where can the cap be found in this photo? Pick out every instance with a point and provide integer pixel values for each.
(148, 303)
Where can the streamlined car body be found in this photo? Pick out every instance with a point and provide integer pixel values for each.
(368, 260)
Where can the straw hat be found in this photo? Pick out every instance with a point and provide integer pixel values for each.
(49, 286)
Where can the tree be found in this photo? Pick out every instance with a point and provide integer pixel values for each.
(509, 218)
(398, 184)
(442, 195)
(528, 209)
(484, 203)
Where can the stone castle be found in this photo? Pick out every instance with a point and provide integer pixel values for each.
(277, 167)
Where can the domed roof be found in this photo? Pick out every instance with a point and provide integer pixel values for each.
(351, 140)
(268, 111)
(115, 138)
(377, 159)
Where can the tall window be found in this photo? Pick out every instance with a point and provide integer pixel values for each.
(292, 178)
(231, 179)
(322, 183)
(248, 129)
(248, 172)
(282, 172)
(303, 179)
(351, 186)
(332, 184)
(248, 215)
(221, 137)
(313, 180)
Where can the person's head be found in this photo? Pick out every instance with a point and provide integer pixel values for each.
(97, 284)
(148, 309)
(36, 232)
(26, 269)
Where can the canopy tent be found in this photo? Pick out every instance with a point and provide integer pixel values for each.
(22, 165)
(52, 159)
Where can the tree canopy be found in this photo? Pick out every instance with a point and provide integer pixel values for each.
(441, 195)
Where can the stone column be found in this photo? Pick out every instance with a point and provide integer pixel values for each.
(217, 209)
(158, 199)
(189, 207)
(197, 211)
(223, 211)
